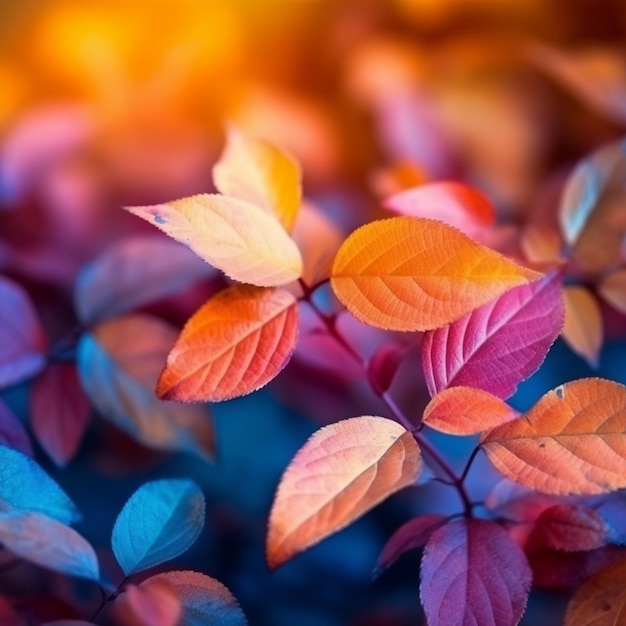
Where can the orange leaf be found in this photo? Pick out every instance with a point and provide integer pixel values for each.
(600, 600)
(408, 273)
(583, 323)
(340, 473)
(233, 235)
(466, 411)
(238, 341)
(571, 442)
(260, 173)
(613, 290)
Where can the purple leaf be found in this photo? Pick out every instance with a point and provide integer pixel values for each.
(12, 433)
(413, 534)
(59, 411)
(498, 345)
(135, 272)
(473, 572)
(22, 339)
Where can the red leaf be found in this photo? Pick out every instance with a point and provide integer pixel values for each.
(473, 573)
(521, 504)
(498, 345)
(12, 433)
(382, 367)
(569, 527)
(22, 339)
(9, 616)
(414, 534)
(59, 412)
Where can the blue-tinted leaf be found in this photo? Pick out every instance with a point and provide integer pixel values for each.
(119, 363)
(24, 485)
(46, 542)
(205, 601)
(160, 521)
(135, 272)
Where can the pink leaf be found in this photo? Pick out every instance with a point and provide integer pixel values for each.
(12, 433)
(59, 412)
(498, 345)
(153, 603)
(414, 534)
(474, 573)
(22, 339)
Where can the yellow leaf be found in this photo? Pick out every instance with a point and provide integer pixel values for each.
(340, 473)
(233, 235)
(260, 173)
(408, 273)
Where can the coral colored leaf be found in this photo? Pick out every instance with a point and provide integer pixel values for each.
(583, 329)
(411, 535)
(26, 487)
(473, 572)
(571, 441)
(569, 527)
(237, 237)
(153, 603)
(45, 541)
(59, 411)
(383, 365)
(205, 601)
(408, 273)
(132, 273)
(498, 345)
(344, 470)
(453, 203)
(600, 600)
(22, 339)
(259, 172)
(161, 520)
(238, 341)
(466, 411)
(591, 212)
(613, 290)
(12, 433)
(541, 242)
(119, 363)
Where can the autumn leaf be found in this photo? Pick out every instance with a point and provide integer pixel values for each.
(466, 411)
(571, 442)
(473, 572)
(583, 330)
(260, 173)
(601, 600)
(235, 236)
(498, 345)
(233, 345)
(612, 289)
(344, 470)
(408, 273)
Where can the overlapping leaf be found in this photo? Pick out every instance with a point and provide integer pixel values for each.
(571, 441)
(132, 273)
(161, 520)
(473, 573)
(235, 236)
(59, 411)
(204, 600)
(234, 344)
(583, 330)
(47, 542)
(342, 471)
(407, 273)
(259, 172)
(466, 411)
(498, 345)
(119, 363)
(22, 339)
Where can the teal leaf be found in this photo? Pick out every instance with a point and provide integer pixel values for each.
(161, 520)
(25, 486)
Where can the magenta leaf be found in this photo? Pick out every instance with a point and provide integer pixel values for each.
(22, 339)
(498, 345)
(12, 433)
(473, 573)
(59, 411)
(135, 272)
(383, 365)
(414, 534)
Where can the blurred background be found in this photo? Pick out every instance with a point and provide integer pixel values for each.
(112, 103)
